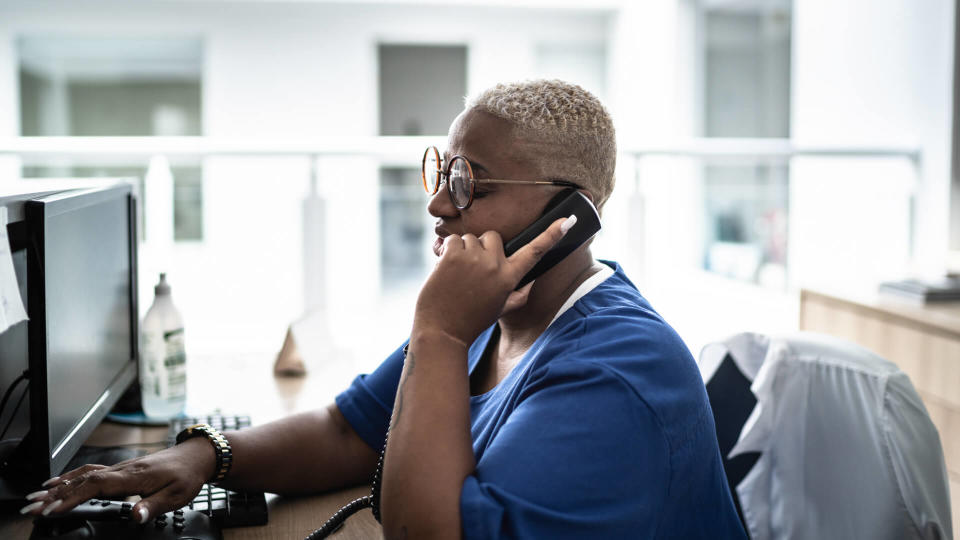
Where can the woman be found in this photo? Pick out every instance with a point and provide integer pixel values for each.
(565, 409)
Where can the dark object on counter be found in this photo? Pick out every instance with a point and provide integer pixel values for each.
(946, 289)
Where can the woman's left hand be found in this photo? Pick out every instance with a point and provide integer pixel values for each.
(472, 282)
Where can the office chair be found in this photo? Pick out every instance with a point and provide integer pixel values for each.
(823, 439)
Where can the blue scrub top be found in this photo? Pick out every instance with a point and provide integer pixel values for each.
(602, 430)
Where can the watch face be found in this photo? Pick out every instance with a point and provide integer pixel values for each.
(191, 431)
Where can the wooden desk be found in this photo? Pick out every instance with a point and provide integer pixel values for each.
(923, 340)
(246, 385)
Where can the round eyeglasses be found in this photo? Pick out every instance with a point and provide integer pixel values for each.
(460, 180)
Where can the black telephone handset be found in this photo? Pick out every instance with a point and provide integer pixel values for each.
(567, 202)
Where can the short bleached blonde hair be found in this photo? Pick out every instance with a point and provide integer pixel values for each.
(566, 130)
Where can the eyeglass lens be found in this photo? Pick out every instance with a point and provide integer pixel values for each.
(431, 170)
(460, 180)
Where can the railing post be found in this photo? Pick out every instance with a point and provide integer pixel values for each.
(637, 233)
(11, 169)
(158, 205)
(916, 165)
(314, 243)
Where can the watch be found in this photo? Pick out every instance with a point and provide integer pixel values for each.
(220, 447)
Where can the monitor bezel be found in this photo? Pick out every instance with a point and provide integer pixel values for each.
(53, 456)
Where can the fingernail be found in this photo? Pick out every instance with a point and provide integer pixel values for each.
(142, 512)
(37, 495)
(50, 481)
(568, 223)
(31, 507)
(50, 507)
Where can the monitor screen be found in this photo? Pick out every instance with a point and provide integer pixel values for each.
(87, 274)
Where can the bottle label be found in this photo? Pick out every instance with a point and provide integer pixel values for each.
(175, 364)
(163, 372)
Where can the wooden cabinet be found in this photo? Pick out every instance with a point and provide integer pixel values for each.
(924, 340)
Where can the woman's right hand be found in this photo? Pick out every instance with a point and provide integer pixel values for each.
(166, 480)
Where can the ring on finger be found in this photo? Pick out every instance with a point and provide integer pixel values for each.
(65, 483)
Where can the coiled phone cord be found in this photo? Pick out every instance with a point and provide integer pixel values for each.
(371, 501)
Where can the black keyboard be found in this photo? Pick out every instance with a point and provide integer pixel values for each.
(225, 507)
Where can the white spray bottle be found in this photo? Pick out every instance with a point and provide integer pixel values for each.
(163, 359)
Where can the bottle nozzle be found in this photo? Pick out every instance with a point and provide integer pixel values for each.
(162, 288)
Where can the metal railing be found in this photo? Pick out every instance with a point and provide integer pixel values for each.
(391, 151)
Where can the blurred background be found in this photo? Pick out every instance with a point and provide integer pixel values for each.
(765, 146)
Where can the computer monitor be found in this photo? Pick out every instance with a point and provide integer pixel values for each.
(75, 259)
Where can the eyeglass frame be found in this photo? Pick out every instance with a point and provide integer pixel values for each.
(445, 172)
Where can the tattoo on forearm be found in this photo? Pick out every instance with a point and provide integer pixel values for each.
(409, 362)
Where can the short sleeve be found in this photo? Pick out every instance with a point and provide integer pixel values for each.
(581, 456)
(916, 456)
(368, 403)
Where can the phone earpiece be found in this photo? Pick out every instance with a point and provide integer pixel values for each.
(567, 202)
(557, 199)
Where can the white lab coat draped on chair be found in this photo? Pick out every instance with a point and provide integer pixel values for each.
(847, 449)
